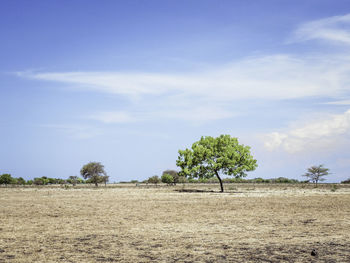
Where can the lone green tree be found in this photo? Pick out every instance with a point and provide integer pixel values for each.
(315, 173)
(94, 171)
(218, 156)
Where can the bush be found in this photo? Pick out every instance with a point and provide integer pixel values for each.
(154, 180)
(174, 174)
(39, 181)
(167, 179)
(346, 181)
(21, 181)
(29, 182)
(6, 179)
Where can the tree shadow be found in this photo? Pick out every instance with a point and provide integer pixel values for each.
(195, 191)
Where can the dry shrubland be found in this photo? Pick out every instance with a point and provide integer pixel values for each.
(248, 223)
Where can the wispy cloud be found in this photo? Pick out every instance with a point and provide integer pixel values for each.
(339, 102)
(266, 77)
(208, 94)
(335, 29)
(321, 133)
(195, 114)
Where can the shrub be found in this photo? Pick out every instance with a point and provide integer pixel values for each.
(346, 181)
(167, 179)
(154, 180)
(39, 181)
(6, 179)
(21, 181)
(174, 174)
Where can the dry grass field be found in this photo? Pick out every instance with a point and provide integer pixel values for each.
(249, 223)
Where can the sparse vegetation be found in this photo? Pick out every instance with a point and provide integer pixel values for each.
(133, 224)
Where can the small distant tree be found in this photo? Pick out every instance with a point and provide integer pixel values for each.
(174, 174)
(73, 179)
(315, 173)
(167, 179)
(94, 171)
(105, 179)
(6, 179)
(210, 157)
(154, 180)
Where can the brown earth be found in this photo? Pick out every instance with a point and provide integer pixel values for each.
(248, 223)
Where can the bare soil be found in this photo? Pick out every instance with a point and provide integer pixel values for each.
(196, 223)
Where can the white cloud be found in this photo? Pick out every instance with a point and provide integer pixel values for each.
(266, 77)
(335, 29)
(339, 102)
(206, 95)
(196, 114)
(326, 133)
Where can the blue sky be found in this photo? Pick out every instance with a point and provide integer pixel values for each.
(129, 83)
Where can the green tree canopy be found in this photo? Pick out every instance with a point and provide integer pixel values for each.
(94, 171)
(174, 174)
(21, 181)
(6, 179)
(154, 180)
(167, 179)
(211, 157)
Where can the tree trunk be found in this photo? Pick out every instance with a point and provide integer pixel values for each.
(221, 186)
(96, 184)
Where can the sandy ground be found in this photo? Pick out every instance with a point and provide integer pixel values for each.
(249, 223)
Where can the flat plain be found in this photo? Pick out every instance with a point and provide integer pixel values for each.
(186, 223)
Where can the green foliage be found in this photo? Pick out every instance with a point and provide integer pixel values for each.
(94, 171)
(29, 182)
(174, 174)
(154, 180)
(73, 179)
(21, 181)
(182, 180)
(39, 181)
(316, 173)
(167, 179)
(211, 157)
(346, 181)
(6, 179)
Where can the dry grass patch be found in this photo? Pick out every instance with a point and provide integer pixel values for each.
(161, 225)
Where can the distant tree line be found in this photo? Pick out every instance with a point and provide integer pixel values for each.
(7, 179)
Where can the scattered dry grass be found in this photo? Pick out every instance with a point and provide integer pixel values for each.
(250, 223)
